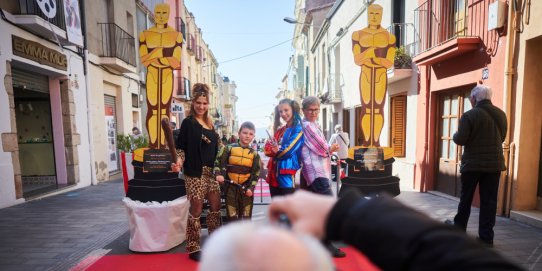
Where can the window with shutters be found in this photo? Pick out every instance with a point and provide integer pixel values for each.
(398, 125)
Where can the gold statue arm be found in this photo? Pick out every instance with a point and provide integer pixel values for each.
(175, 60)
(362, 55)
(388, 61)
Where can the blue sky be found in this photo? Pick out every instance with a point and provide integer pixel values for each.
(234, 28)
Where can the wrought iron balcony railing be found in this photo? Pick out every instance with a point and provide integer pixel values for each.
(117, 43)
(31, 7)
(439, 21)
(180, 26)
(406, 36)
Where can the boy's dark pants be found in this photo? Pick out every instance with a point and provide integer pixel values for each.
(238, 205)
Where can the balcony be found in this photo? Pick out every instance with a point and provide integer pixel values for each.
(448, 28)
(31, 17)
(199, 53)
(118, 48)
(183, 88)
(334, 86)
(407, 44)
(190, 44)
(180, 26)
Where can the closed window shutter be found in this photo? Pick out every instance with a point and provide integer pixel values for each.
(398, 125)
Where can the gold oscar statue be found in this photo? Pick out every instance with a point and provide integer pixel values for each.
(160, 51)
(374, 50)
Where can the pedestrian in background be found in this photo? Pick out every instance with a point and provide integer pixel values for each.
(284, 148)
(481, 131)
(341, 138)
(316, 157)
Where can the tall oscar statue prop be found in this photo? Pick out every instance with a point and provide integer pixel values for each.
(370, 165)
(156, 198)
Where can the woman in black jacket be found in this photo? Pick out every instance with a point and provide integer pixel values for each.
(197, 147)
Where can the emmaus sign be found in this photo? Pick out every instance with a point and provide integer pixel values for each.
(39, 53)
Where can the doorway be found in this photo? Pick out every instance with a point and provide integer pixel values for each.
(452, 105)
(35, 141)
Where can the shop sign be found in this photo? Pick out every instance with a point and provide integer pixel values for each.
(177, 108)
(39, 53)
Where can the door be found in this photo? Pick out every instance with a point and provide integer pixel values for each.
(111, 132)
(451, 107)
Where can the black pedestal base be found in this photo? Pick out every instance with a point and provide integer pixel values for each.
(154, 186)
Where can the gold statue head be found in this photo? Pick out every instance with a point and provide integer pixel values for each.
(374, 15)
(161, 14)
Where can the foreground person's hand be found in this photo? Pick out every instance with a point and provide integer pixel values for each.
(307, 211)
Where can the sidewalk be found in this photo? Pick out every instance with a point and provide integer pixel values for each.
(57, 232)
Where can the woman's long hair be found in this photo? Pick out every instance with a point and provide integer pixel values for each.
(295, 113)
(201, 90)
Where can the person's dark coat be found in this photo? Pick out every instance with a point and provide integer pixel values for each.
(396, 237)
(482, 131)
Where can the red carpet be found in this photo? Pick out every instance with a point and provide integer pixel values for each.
(262, 189)
(178, 261)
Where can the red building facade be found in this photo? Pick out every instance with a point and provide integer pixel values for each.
(456, 52)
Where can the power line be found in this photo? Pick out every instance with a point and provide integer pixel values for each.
(257, 52)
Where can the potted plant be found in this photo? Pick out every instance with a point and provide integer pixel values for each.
(402, 59)
(126, 144)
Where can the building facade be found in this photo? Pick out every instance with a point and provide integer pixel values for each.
(323, 42)
(456, 52)
(523, 179)
(44, 127)
(113, 78)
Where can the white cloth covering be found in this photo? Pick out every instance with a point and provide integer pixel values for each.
(157, 226)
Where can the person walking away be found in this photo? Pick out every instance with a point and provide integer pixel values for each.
(481, 131)
(237, 166)
(316, 157)
(284, 149)
(341, 138)
(197, 147)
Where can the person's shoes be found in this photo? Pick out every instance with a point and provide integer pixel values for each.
(449, 222)
(484, 242)
(195, 256)
(335, 252)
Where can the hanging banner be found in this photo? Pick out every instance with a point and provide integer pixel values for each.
(111, 130)
(73, 22)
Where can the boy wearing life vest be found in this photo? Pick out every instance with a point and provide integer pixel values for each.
(237, 166)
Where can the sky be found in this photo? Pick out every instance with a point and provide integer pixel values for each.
(235, 28)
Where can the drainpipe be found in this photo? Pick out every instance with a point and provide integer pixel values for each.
(93, 180)
(513, 16)
(423, 184)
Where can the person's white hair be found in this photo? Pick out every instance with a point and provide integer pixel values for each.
(308, 101)
(338, 128)
(235, 247)
(480, 93)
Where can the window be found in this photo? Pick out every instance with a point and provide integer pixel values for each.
(398, 125)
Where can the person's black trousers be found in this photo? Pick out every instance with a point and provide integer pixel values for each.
(489, 187)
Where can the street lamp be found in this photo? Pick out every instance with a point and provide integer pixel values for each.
(291, 20)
